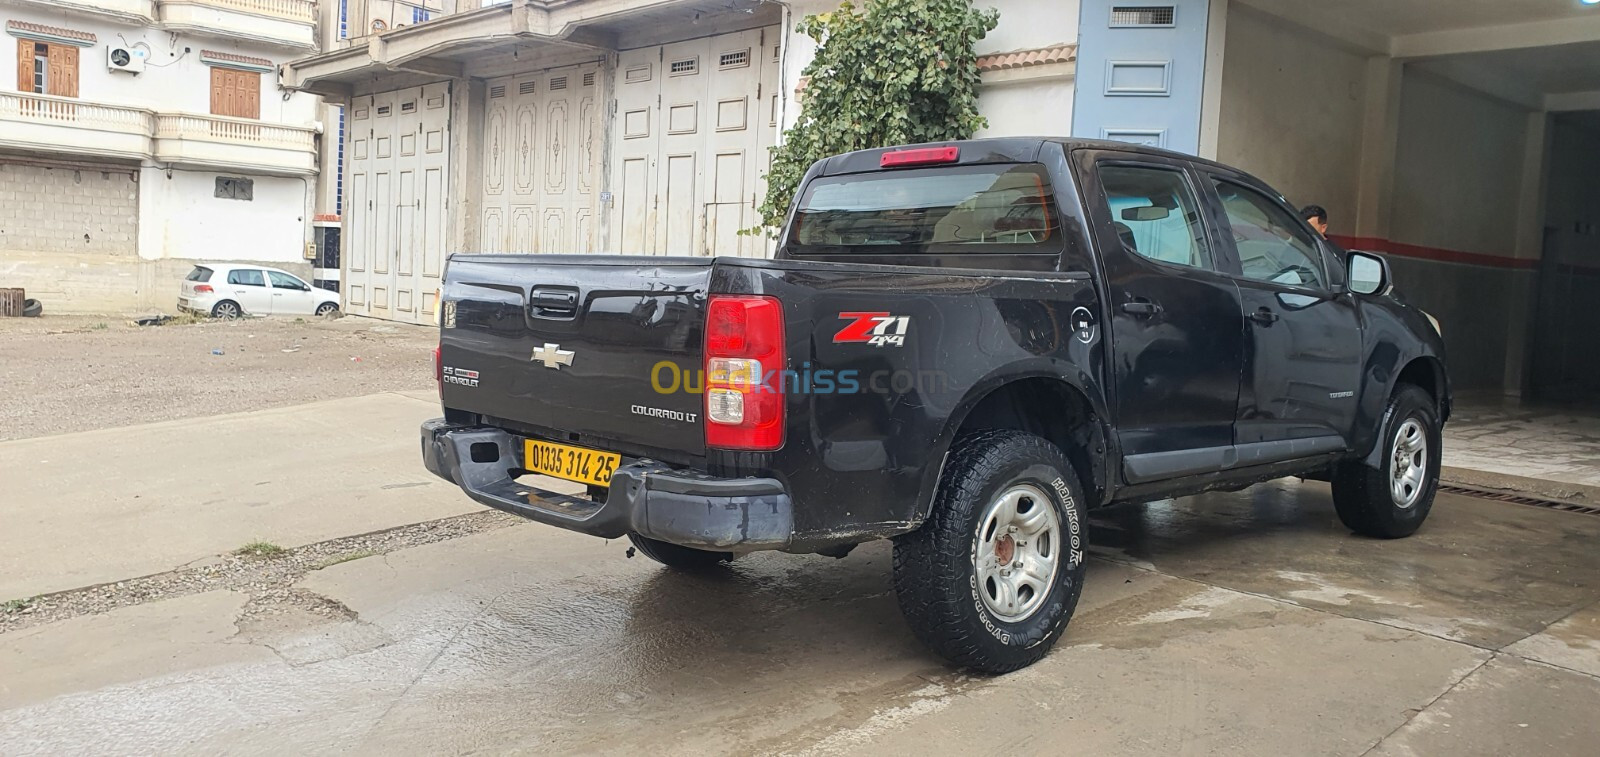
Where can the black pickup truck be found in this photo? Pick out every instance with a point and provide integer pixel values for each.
(960, 346)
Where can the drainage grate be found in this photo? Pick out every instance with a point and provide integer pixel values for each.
(1518, 499)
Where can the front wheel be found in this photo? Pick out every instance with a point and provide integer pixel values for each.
(1392, 501)
(991, 579)
(327, 308)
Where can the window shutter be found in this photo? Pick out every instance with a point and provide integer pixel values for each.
(69, 72)
(218, 92)
(24, 65)
(250, 94)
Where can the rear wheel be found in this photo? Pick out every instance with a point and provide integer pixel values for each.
(1393, 501)
(991, 579)
(226, 310)
(674, 556)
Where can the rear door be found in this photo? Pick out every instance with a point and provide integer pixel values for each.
(248, 287)
(1177, 336)
(1303, 346)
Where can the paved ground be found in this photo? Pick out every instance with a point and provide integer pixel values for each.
(402, 619)
(1241, 624)
(73, 373)
(1546, 449)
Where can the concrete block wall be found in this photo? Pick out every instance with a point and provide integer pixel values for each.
(67, 209)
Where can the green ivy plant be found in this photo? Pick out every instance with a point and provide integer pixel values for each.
(890, 72)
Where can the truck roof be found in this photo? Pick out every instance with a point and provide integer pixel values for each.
(993, 150)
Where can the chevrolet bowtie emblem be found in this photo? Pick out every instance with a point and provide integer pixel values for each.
(552, 356)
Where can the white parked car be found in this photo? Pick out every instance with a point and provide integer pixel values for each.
(221, 290)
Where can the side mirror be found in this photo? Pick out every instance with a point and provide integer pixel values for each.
(1369, 273)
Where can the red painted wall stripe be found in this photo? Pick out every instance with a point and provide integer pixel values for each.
(1441, 255)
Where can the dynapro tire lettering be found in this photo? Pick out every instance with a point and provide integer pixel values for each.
(876, 329)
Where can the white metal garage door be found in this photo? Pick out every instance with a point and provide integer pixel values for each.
(694, 121)
(399, 159)
(542, 149)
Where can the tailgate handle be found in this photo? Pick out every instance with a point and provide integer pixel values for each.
(553, 302)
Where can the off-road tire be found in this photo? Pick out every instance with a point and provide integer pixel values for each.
(1361, 495)
(680, 558)
(935, 567)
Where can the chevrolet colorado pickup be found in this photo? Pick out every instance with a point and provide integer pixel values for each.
(962, 347)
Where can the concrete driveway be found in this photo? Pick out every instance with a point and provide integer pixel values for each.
(1242, 623)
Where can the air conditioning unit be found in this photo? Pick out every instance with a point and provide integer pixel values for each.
(129, 59)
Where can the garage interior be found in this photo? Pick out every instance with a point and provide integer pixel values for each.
(1461, 139)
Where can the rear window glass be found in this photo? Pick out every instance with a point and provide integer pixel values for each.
(200, 273)
(948, 208)
(247, 277)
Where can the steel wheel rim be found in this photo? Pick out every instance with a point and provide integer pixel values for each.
(1017, 551)
(1408, 464)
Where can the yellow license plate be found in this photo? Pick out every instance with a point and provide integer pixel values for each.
(586, 466)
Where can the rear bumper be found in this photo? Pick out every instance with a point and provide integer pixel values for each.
(646, 498)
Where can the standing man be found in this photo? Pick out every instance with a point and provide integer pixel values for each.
(1317, 216)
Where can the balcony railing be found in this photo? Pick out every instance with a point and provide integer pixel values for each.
(379, 16)
(233, 130)
(59, 124)
(48, 109)
(293, 10)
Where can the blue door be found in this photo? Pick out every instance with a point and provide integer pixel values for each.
(1141, 72)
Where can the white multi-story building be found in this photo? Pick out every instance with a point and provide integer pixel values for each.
(138, 136)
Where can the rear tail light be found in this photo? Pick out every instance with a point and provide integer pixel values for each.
(744, 363)
(921, 156)
(203, 289)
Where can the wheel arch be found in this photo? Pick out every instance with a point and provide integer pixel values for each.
(1039, 402)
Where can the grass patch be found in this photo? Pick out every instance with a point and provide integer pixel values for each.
(346, 557)
(102, 326)
(17, 605)
(261, 549)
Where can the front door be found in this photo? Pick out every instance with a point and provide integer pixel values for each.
(1302, 364)
(290, 296)
(1177, 336)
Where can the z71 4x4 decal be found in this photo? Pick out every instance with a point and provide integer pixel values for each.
(876, 329)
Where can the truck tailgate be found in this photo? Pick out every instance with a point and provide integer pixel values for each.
(576, 346)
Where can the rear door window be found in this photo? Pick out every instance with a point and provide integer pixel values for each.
(1006, 208)
(1156, 215)
(246, 277)
(200, 273)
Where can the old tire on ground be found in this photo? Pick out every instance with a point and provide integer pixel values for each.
(227, 310)
(681, 558)
(991, 579)
(1392, 502)
(32, 308)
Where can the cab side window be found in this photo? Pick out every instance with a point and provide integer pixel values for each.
(1272, 245)
(246, 277)
(1156, 215)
